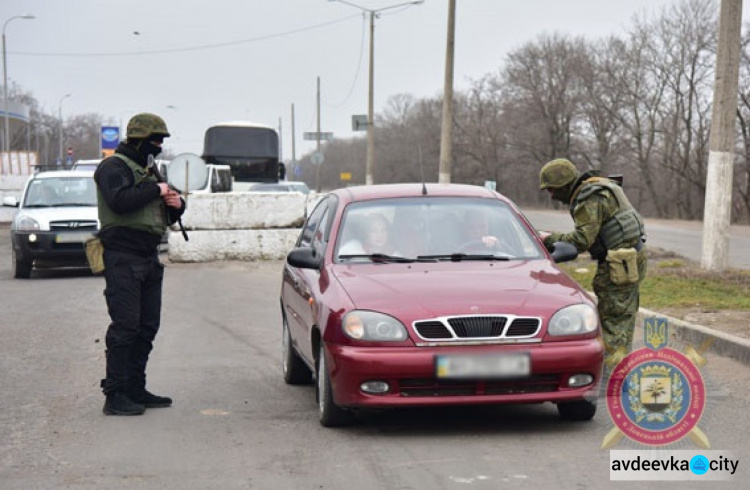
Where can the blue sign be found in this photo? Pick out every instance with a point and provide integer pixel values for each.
(110, 137)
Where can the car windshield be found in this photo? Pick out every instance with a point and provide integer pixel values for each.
(433, 229)
(61, 191)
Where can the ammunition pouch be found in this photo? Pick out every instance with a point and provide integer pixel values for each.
(623, 266)
(95, 255)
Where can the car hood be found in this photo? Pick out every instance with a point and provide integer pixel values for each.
(413, 291)
(44, 215)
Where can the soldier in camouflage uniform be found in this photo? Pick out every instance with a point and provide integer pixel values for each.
(607, 226)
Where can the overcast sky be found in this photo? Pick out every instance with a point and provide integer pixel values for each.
(198, 63)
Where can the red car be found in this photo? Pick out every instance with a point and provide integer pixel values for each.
(420, 295)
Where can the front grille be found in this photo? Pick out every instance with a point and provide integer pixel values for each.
(494, 327)
(432, 387)
(73, 225)
(478, 326)
(521, 327)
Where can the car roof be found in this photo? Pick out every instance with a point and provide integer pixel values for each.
(385, 191)
(63, 173)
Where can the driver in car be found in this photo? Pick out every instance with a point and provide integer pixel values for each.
(477, 231)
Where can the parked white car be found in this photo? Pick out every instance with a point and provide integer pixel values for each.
(55, 217)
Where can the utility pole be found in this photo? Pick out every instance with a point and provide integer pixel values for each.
(294, 144)
(718, 203)
(317, 169)
(281, 141)
(370, 155)
(446, 133)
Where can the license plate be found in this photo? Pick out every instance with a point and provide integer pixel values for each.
(72, 237)
(463, 366)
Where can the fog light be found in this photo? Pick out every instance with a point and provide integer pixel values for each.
(32, 238)
(374, 387)
(580, 380)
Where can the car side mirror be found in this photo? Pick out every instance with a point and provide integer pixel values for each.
(563, 252)
(10, 201)
(304, 258)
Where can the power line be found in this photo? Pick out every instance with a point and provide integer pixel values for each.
(359, 65)
(193, 48)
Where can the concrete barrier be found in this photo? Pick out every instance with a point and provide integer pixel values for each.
(213, 245)
(240, 226)
(244, 211)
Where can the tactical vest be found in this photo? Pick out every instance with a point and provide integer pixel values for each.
(151, 218)
(624, 229)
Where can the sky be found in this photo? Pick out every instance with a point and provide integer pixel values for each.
(198, 63)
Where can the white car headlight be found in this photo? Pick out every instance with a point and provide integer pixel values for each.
(25, 223)
(573, 320)
(369, 325)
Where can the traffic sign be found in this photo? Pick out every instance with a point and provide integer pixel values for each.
(346, 176)
(359, 122)
(317, 158)
(314, 136)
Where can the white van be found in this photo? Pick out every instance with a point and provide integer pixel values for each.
(219, 178)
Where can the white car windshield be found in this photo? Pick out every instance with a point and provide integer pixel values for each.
(60, 192)
(433, 228)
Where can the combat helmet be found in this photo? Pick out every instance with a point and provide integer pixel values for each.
(557, 173)
(144, 125)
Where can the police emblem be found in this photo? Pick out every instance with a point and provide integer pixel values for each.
(655, 394)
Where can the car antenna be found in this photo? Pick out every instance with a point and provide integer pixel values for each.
(421, 169)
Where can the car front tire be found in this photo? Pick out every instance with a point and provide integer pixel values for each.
(295, 370)
(329, 414)
(21, 269)
(580, 410)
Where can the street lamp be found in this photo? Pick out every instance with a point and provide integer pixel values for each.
(371, 89)
(59, 108)
(6, 140)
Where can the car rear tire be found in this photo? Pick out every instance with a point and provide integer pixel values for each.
(295, 370)
(579, 410)
(21, 269)
(329, 414)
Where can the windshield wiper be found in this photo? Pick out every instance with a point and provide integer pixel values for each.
(377, 258)
(458, 257)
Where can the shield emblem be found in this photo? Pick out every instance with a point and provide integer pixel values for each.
(655, 330)
(656, 393)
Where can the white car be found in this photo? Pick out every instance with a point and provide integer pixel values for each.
(56, 215)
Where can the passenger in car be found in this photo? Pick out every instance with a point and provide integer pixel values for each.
(376, 238)
(477, 231)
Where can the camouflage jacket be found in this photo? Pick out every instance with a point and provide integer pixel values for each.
(589, 215)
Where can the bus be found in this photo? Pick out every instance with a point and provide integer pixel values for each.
(250, 150)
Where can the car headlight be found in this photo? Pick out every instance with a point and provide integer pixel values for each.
(573, 320)
(369, 325)
(25, 223)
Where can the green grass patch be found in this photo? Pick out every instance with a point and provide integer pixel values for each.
(680, 284)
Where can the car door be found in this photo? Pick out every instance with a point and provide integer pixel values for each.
(300, 287)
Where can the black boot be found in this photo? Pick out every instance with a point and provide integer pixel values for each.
(149, 400)
(120, 404)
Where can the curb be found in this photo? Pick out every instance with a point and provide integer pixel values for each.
(723, 344)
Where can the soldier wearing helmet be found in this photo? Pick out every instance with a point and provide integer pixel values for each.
(607, 226)
(134, 212)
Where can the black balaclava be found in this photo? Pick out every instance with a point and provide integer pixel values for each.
(147, 148)
(563, 194)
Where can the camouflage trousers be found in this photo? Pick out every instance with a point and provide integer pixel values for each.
(618, 306)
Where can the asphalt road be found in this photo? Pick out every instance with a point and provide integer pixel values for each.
(235, 424)
(682, 237)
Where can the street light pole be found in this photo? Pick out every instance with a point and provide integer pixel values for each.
(6, 140)
(59, 108)
(370, 158)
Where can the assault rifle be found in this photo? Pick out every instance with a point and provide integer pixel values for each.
(154, 170)
(618, 178)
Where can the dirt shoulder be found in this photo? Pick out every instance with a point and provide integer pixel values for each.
(677, 287)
